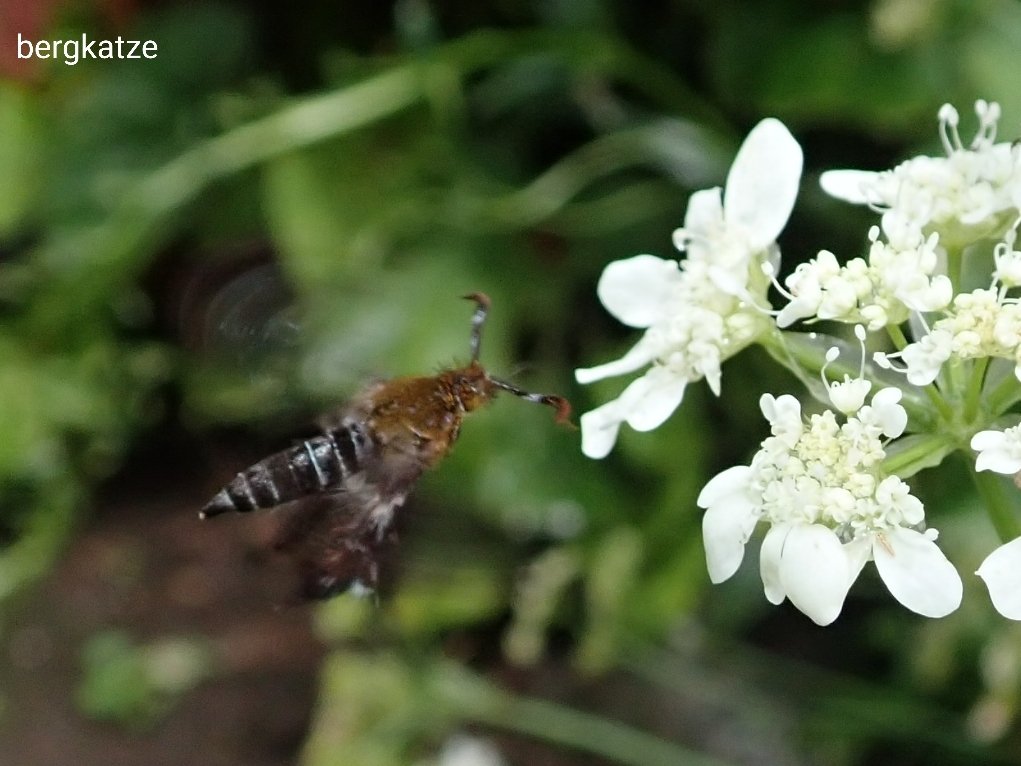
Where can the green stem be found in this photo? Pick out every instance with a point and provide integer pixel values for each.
(138, 219)
(973, 396)
(792, 356)
(955, 266)
(912, 453)
(998, 504)
(564, 180)
(1007, 392)
(859, 709)
(900, 341)
(476, 699)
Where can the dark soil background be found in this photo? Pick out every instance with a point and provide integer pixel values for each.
(146, 565)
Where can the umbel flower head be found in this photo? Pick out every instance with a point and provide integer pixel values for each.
(898, 277)
(970, 193)
(820, 487)
(699, 312)
(939, 285)
(983, 323)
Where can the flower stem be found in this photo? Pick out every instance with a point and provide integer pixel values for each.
(1001, 512)
(481, 701)
(1003, 395)
(955, 267)
(897, 336)
(973, 396)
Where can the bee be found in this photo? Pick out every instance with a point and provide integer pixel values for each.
(344, 486)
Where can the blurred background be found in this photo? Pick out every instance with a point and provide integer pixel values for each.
(201, 252)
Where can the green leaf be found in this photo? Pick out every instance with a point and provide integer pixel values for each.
(910, 454)
(19, 157)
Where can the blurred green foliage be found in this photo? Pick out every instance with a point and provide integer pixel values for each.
(393, 161)
(133, 684)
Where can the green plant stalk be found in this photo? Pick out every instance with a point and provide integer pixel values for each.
(900, 341)
(796, 361)
(551, 191)
(851, 707)
(1005, 394)
(474, 698)
(998, 506)
(955, 266)
(924, 454)
(139, 218)
(973, 396)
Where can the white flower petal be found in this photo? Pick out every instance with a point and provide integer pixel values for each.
(726, 526)
(801, 307)
(849, 396)
(784, 415)
(917, 573)
(650, 400)
(892, 416)
(643, 352)
(852, 186)
(599, 429)
(815, 572)
(704, 215)
(998, 451)
(997, 461)
(1001, 572)
(734, 479)
(639, 290)
(780, 409)
(858, 551)
(763, 183)
(769, 562)
(985, 440)
(644, 405)
(729, 282)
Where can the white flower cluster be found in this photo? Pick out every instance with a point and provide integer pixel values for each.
(981, 324)
(819, 483)
(704, 310)
(969, 194)
(897, 278)
(820, 486)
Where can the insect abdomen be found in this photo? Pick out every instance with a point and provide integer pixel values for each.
(320, 464)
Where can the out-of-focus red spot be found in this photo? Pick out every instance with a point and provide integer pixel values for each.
(29, 18)
(33, 18)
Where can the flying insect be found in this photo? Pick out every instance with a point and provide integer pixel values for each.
(343, 487)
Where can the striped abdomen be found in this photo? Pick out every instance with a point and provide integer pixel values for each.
(320, 464)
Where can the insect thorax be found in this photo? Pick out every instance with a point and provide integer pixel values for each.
(423, 415)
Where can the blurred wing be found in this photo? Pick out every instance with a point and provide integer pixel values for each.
(238, 310)
(252, 317)
(345, 540)
(335, 544)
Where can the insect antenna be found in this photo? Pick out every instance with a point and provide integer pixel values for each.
(482, 302)
(562, 406)
(478, 319)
